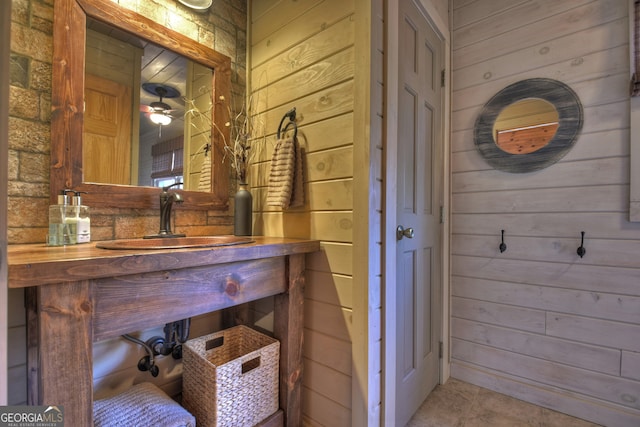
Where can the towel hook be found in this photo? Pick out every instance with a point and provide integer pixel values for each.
(502, 246)
(291, 114)
(581, 250)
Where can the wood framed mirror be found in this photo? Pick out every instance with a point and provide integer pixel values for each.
(67, 104)
(531, 139)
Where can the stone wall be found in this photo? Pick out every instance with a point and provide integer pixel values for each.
(222, 28)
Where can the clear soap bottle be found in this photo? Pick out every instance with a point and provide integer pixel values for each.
(83, 220)
(62, 222)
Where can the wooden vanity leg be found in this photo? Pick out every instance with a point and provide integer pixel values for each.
(66, 350)
(288, 328)
(33, 373)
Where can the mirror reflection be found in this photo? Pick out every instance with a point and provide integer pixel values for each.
(525, 126)
(514, 144)
(138, 129)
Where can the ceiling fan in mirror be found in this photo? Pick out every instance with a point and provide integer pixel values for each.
(159, 112)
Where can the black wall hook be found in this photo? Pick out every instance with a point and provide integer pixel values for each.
(581, 250)
(502, 246)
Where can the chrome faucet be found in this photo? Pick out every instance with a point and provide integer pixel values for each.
(167, 199)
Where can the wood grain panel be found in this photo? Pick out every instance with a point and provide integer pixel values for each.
(305, 53)
(595, 331)
(320, 166)
(556, 398)
(328, 319)
(330, 164)
(65, 317)
(312, 138)
(580, 355)
(465, 16)
(332, 257)
(320, 410)
(315, 17)
(32, 265)
(325, 73)
(608, 388)
(542, 15)
(332, 226)
(601, 38)
(585, 173)
(630, 367)
(289, 311)
(614, 90)
(329, 102)
(213, 288)
(579, 17)
(330, 288)
(520, 318)
(594, 304)
(602, 252)
(601, 198)
(291, 224)
(328, 351)
(328, 382)
(612, 225)
(331, 195)
(326, 133)
(570, 276)
(277, 13)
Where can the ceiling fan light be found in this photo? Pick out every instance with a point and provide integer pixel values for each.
(160, 119)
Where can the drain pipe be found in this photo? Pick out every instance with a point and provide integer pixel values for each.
(147, 363)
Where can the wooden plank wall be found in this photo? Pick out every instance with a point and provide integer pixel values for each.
(303, 54)
(537, 321)
(368, 212)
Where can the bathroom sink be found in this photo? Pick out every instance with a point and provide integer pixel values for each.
(174, 242)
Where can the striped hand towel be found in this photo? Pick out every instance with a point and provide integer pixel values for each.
(285, 179)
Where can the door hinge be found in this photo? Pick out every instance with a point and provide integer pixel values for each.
(442, 77)
(440, 350)
(441, 214)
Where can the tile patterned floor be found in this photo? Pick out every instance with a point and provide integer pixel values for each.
(459, 404)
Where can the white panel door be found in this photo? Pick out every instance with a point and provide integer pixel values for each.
(419, 199)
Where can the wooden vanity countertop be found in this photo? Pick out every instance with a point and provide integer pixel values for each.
(39, 264)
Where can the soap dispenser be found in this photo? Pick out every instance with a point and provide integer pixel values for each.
(62, 222)
(82, 218)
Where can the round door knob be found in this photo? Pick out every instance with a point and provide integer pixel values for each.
(402, 232)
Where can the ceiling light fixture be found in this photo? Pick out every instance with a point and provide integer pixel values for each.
(197, 5)
(160, 119)
(160, 112)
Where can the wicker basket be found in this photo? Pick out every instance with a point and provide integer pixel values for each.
(231, 377)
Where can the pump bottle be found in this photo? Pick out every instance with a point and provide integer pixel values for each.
(62, 222)
(83, 220)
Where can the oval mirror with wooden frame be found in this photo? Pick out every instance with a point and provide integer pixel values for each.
(528, 125)
(67, 103)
